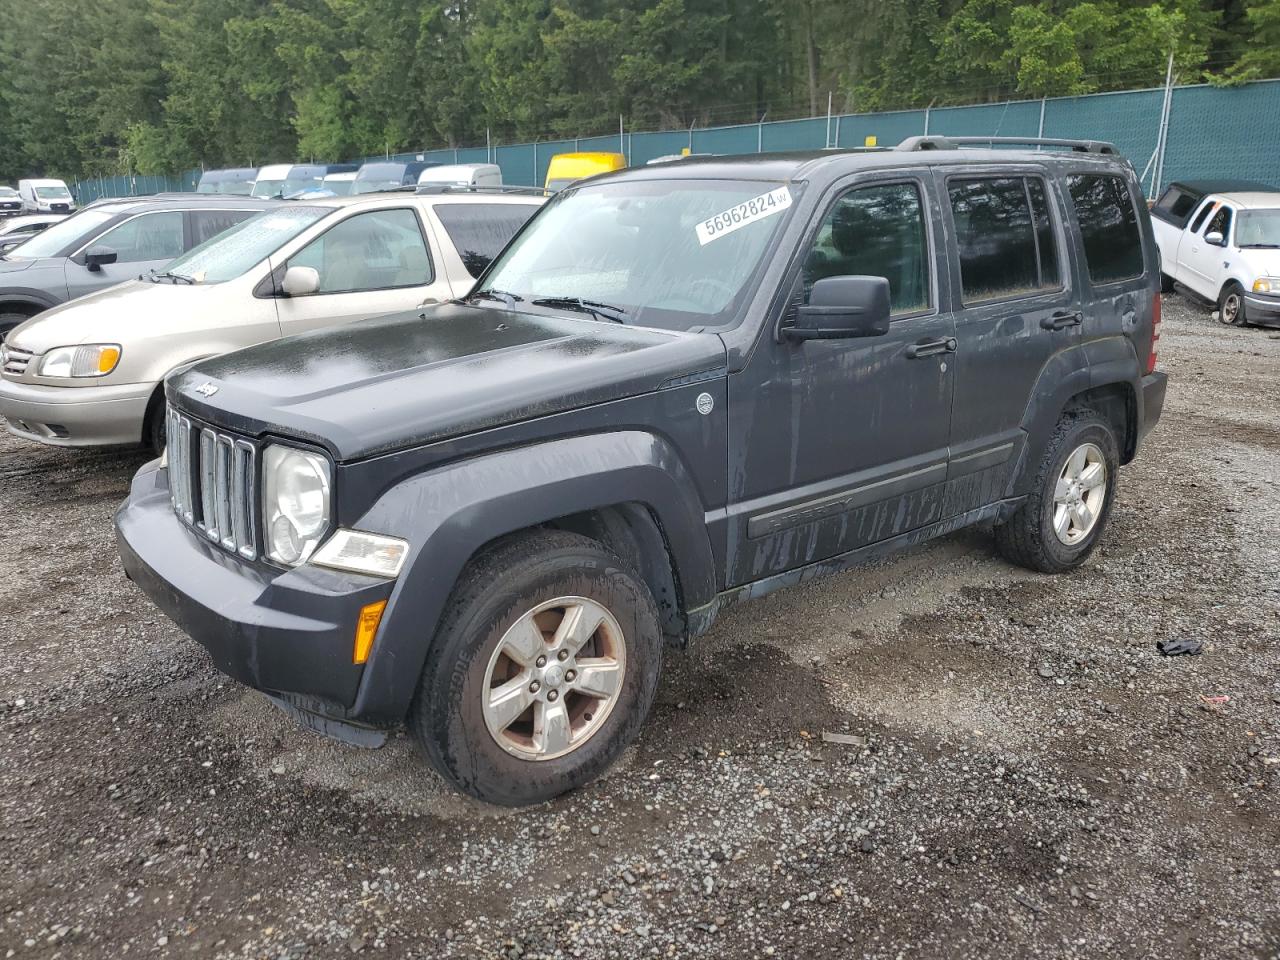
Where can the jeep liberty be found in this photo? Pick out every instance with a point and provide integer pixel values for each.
(680, 386)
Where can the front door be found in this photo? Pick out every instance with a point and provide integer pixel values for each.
(838, 444)
(1019, 309)
(370, 264)
(141, 244)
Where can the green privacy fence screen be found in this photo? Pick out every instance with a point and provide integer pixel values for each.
(1213, 132)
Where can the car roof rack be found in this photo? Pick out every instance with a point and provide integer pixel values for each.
(955, 143)
(434, 188)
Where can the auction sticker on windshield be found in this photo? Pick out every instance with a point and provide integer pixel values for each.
(757, 208)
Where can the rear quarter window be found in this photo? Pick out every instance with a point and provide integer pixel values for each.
(1108, 227)
(1175, 206)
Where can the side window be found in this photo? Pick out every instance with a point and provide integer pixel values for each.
(1005, 237)
(1108, 226)
(207, 224)
(379, 250)
(1199, 220)
(1176, 205)
(152, 236)
(1220, 223)
(479, 231)
(876, 231)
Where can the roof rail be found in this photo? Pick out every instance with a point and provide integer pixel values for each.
(954, 143)
(435, 188)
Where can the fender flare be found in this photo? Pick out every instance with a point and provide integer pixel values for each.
(449, 513)
(27, 298)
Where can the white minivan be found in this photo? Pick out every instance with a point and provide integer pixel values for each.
(462, 175)
(271, 180)
(45, 196)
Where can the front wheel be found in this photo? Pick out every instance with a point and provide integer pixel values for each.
(8, 321)
(1060, 523)
(1231, 306)
(545, 666)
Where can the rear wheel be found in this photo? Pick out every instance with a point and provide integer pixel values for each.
(1060, 523)
(545, 667)
(1231, 306)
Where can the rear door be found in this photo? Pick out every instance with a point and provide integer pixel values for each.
(1191, 249)
(370, 264)
(1018, 307)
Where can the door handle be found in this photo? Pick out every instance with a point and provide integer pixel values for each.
(430, 301)
(1060, 321)
(927, 348)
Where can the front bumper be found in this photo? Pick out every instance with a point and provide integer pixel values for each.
(1264, 311)
(1154, 386)
(75, 416)
(288, 632)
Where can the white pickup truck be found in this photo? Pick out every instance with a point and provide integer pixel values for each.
(1220, 240)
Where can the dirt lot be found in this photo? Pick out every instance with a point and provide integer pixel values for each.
(1035, 780)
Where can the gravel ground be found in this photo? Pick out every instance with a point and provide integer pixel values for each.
(1029, 777)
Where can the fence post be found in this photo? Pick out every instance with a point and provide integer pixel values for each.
(759, 133)
(1162, 138)
(1040, 129)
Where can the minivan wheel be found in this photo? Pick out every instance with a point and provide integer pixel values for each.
(1231, 306)
(544, 668)
(1059, 524)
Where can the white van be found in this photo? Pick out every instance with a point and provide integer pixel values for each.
(271, 179)
(462, 175)
(45, 196)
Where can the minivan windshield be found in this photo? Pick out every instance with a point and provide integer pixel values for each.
(675, 254)
(1258, 228)
(63, 235)
(248, 243)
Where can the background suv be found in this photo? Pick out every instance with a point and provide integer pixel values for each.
(107, 243)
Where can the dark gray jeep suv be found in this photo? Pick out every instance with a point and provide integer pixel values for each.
(679, 387)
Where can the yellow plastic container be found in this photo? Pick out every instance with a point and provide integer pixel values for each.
(567, 168)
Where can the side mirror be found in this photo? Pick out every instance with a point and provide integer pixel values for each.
(95, 258)
(843, 307)
(1215, 238)
(300, 281)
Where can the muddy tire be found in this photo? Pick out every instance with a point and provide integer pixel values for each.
(8, 321)
(545, 665)
(153, 427)
(1060, 523)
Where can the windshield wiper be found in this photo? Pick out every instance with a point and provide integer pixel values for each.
(501, 296)
(604, 310)
(170, 275)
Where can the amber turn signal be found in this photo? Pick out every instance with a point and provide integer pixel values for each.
(367, 629)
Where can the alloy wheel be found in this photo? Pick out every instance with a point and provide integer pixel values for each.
(1079, 494)
(554, 678)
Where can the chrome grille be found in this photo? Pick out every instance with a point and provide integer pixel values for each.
(14, 361)
(213, 483)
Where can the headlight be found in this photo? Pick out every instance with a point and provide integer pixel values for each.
(361, 552)
(1266, 285)
(295, 503)
(86, 360)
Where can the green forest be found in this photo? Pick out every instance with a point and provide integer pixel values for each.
(151, 86)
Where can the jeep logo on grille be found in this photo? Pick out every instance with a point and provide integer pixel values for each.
(206, 389)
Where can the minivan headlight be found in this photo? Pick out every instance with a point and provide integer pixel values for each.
(1266, 285)
(295, 503)
(85, 360)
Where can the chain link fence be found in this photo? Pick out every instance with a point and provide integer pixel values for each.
(1212, 132)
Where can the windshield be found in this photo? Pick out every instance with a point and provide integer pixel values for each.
(8, 192)
(373, 186)
(1258, 228)
(339, 188)
(675, 254)
(68, 233)
(53, 193)
(268, 188)
(248, 243)
(239, 188)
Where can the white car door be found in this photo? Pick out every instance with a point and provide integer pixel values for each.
(371, 263)
(1206, 257)
(1191, 246)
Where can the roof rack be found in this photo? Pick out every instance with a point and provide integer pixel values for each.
(433, 188)
(955, 143)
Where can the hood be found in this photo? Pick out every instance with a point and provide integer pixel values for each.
(15, 266)
(375, 386)
(106, 316)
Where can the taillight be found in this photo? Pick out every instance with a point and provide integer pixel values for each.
(1155, 333)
